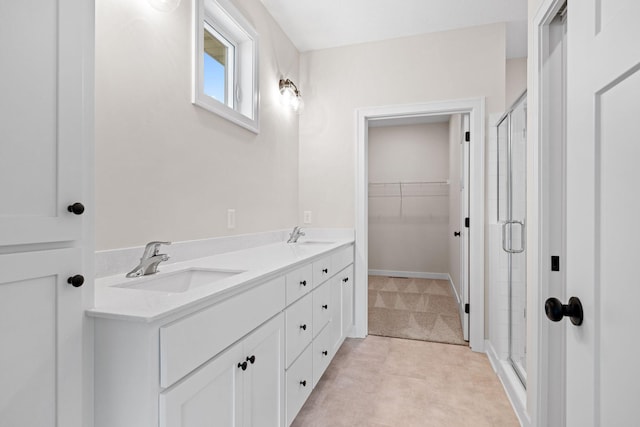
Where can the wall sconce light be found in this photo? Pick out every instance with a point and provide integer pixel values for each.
(290, 95)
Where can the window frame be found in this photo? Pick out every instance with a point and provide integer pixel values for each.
(226, 21)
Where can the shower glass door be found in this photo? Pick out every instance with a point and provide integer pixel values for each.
(512, 136)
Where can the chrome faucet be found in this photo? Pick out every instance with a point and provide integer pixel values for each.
(150, 260)
(295, 234)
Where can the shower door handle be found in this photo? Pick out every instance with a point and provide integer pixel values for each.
(504, 237)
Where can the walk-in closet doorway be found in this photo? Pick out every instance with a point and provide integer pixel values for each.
(416, 207)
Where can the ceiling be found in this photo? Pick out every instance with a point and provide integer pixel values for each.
(313, 25)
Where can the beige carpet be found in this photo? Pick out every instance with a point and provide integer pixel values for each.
(419, 309)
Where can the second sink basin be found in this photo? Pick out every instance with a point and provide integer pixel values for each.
(178, 281)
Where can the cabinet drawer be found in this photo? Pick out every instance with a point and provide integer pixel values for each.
(342, 258)
(189, 342)
(322, 354)
(321, 307)
(299, 327)
(299, 283)
(299, 379)
(322, 270)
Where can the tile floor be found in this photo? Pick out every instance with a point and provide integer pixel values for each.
(382, 381)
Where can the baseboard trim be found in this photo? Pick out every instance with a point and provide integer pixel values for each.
(453, 288)
(412, 274)
(516, 393)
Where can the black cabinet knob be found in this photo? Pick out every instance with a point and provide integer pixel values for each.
(303, 327)
(243, 366)
(325, 306)
(456, 233)
(555, 310)
(76, 208)
(324, 353)
(325, 270)
(251, 359)
(303, 283)
(76, 281)
(303, 383)
(345, 280)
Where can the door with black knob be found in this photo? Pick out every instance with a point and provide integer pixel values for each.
(39, 312)
(46, 139)
(603, 207)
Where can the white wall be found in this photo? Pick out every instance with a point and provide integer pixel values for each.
(409, 233)
(454, 264)
(166, 169)
(515, 79)
(456, 64)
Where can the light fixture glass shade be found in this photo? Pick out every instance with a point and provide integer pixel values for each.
(290, 95)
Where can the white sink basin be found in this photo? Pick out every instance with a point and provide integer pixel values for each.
(178, 281)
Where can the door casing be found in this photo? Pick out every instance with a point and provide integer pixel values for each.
(475, 108)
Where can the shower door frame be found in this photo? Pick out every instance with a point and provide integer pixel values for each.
(507, 229)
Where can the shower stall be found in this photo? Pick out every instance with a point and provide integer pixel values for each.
(511, 210)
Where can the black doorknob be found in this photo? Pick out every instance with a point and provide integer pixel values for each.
(303, 383)
(243, 366)
(325, 306)
(325, 352)
(303, 283)
(76, 208)
(251, 359)
(76, 281)
(456, 233)
(325, 270)
(303, 327)
(555, 310)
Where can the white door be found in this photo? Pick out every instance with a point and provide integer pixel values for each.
(41, 125)
(603, 212)
(41, 351)
(264, 377)
(211, 396)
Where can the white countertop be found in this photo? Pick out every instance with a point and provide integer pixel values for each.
(258, 265)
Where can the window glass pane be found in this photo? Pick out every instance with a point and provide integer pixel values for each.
(216, 66)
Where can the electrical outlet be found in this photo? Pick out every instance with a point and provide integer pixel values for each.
(307, 217)
(231, 218)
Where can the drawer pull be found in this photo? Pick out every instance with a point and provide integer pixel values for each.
(303, 383)
(303, 327)
(243, 366)
(303, 283)
(252, 359)
(325, 270)
(325, 306)
(345, 280)
(325, 353)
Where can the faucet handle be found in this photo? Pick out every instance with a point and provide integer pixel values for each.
(152, 248)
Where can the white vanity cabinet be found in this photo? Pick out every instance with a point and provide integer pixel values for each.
(251, 358)
(244, 386)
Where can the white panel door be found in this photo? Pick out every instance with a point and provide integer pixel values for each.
(264, 377)
(41, 351)
(41, 119)
(603, 211)
(211, 396)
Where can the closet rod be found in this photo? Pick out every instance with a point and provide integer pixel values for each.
(410, 182)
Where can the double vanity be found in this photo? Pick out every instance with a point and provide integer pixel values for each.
(241, 338)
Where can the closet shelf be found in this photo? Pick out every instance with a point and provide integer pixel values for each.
(409, 189)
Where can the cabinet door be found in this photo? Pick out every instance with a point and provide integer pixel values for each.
(212, 396)
(264, 377)
(336, 313)
(41, 48)
(40, 325)
(346, 281)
